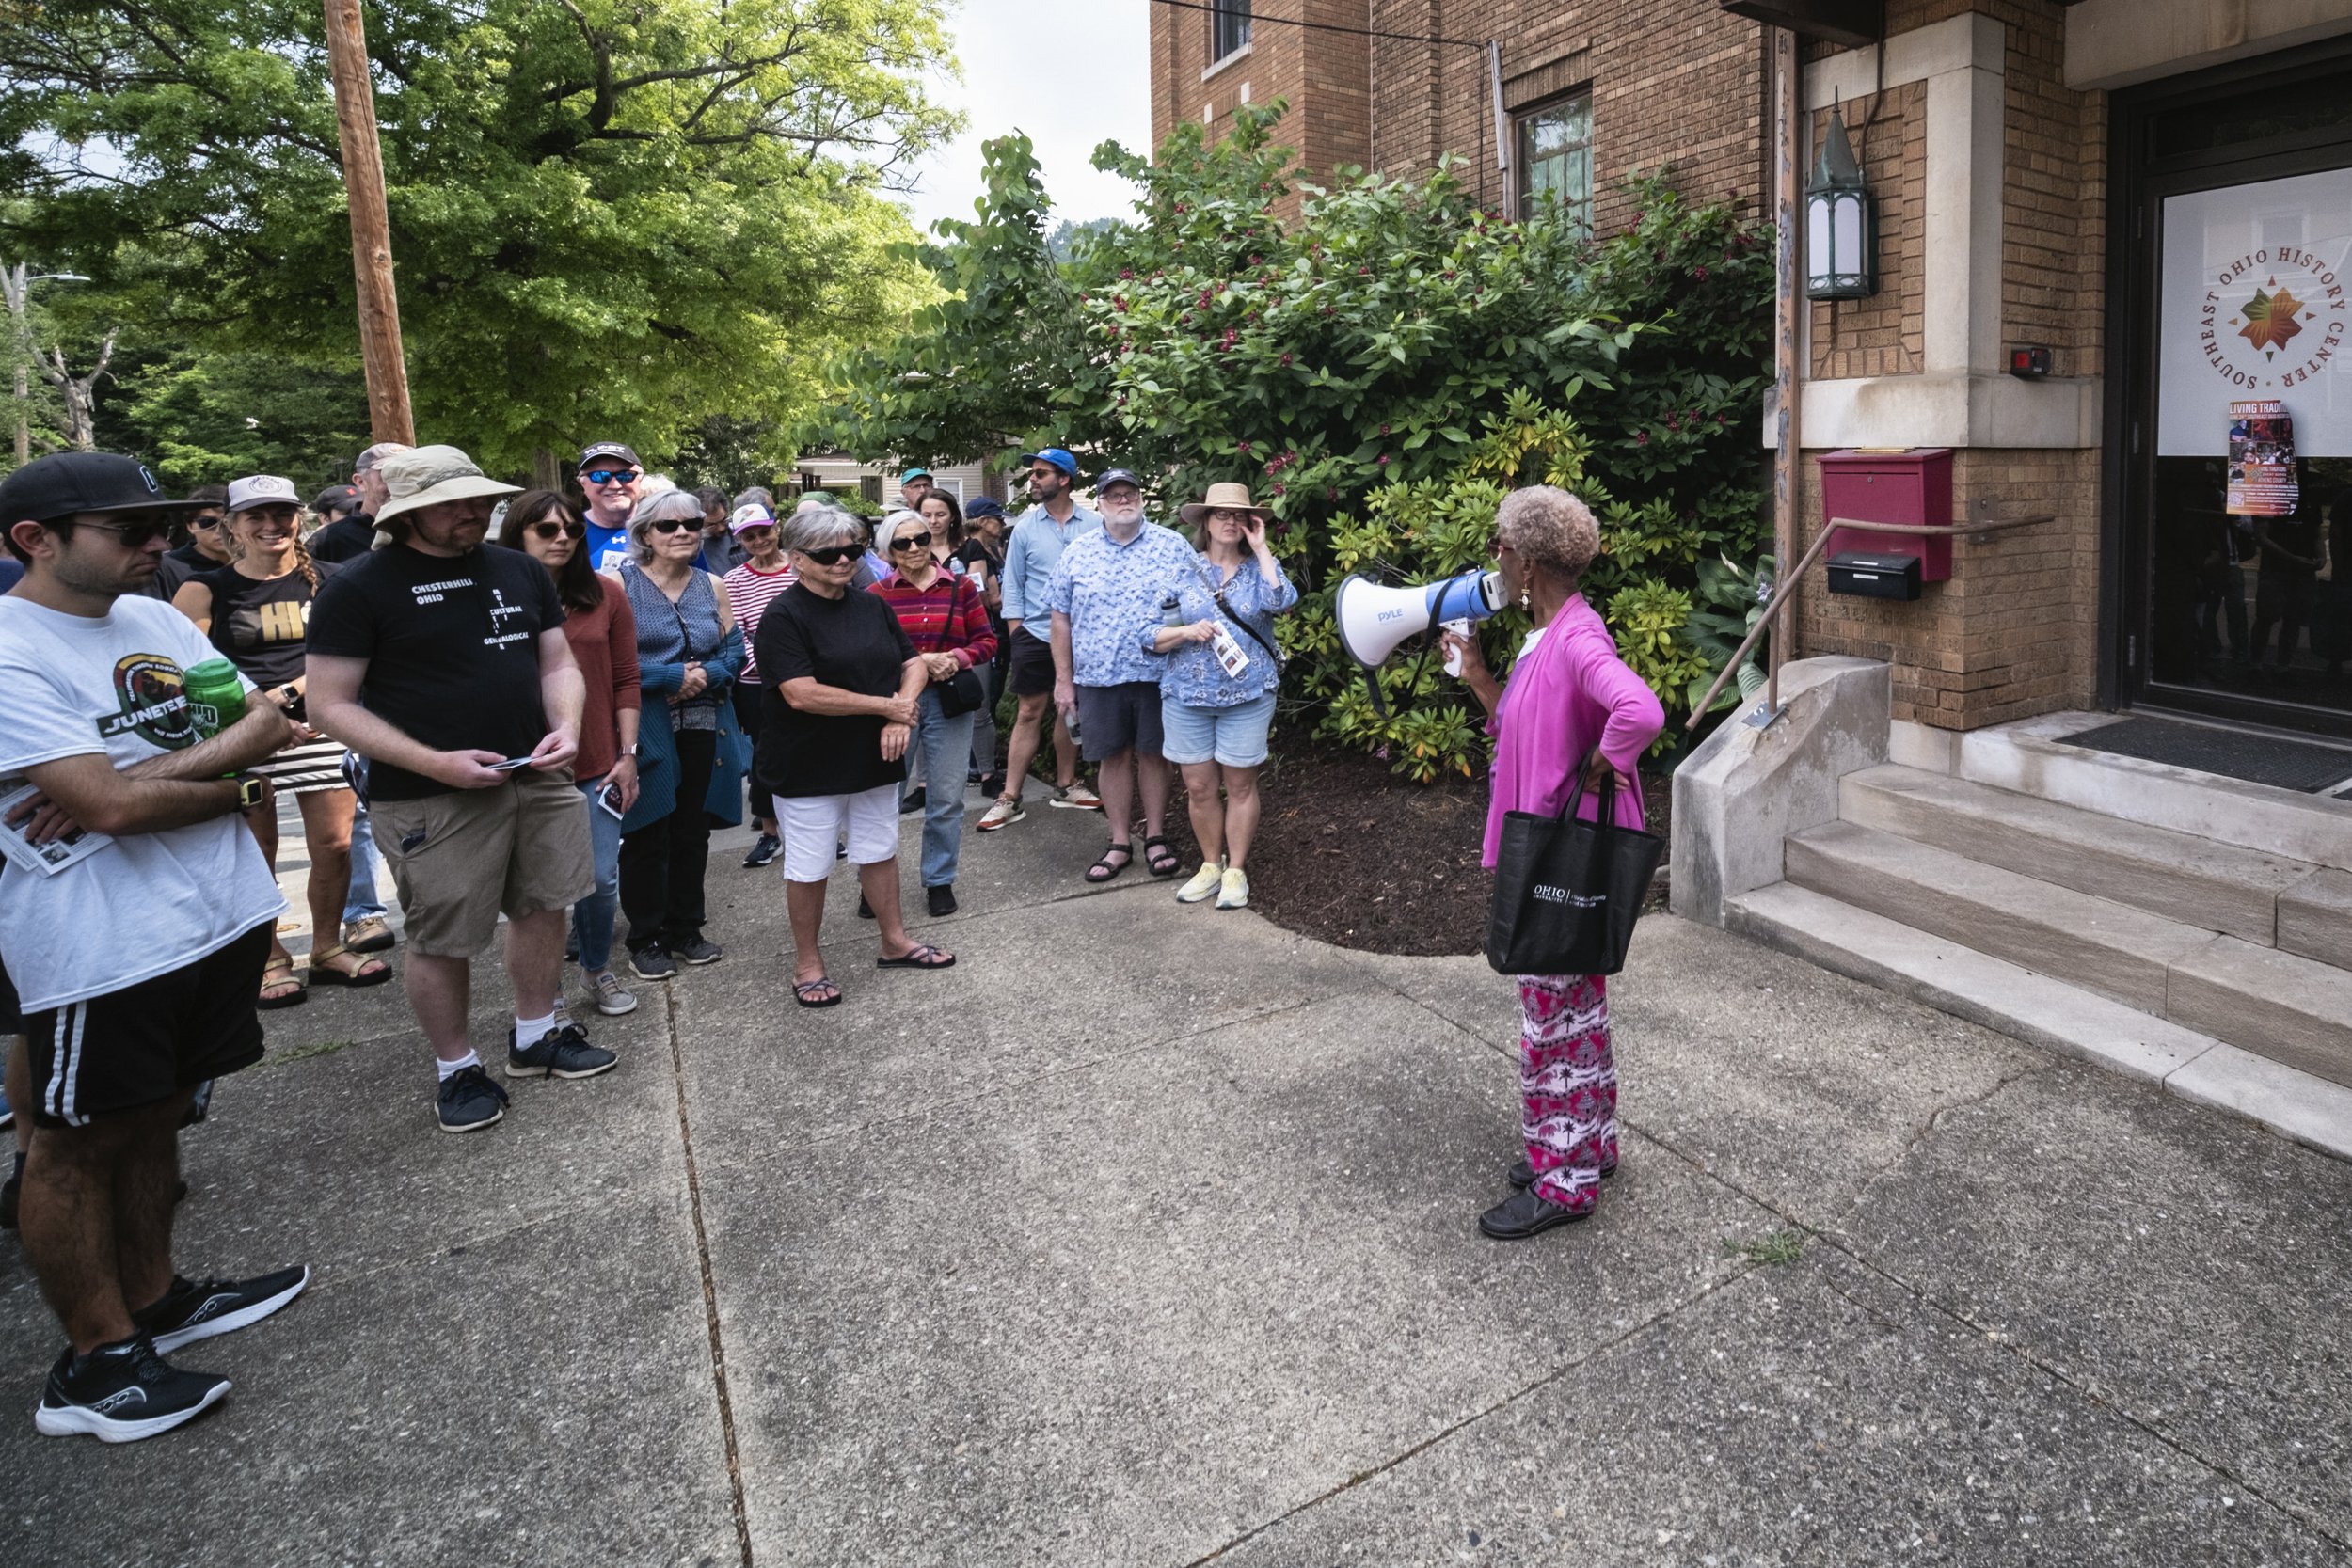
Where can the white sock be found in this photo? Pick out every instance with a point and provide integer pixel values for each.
(450, 1069)
(529, 1031)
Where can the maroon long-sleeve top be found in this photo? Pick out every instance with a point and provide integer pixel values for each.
(604, 646)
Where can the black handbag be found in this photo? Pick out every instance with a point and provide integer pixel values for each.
(1567, 892)
(961, 693)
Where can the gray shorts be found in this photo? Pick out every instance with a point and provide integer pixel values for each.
(1112, 719)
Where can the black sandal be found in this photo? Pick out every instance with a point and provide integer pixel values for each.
(918, 957)
(806, 992)
(1159, 859)
(1103, 870)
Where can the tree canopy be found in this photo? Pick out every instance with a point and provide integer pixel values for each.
(609, 217)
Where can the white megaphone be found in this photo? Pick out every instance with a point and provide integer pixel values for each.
(1375, 619)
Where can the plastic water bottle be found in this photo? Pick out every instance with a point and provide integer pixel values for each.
(1171, 610)
(216, 696)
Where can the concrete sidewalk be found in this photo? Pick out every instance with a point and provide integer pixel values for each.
(1146, 1236)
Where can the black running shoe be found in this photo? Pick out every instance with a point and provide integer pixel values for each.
(198, 1309)
(763, 852)
(564, 1054)
(469, 1102)
(651, 963)
(942, 899)
(698, 950)
(121, 1393)
(916, 799)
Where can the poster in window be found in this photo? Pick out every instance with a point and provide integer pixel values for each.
(2262, 460)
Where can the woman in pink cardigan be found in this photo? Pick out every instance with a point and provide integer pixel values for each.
(1571, 704)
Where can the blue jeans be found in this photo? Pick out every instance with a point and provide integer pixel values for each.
(591, 917)
(946, 743)
(361, 902)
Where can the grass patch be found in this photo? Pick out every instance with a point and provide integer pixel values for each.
(1773, 1249)
(300, 1052)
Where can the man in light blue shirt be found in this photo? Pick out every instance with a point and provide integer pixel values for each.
(1036, 544)
(1108, 587)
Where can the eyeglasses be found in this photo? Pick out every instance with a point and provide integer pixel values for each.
(674, 525)
(136, 535)
(912, 542)
(832, 555)
(609, 476)
(550, 530)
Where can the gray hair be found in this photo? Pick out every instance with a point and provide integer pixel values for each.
(754, 497)
(817, 528)
(888, 529)
(1549, 527)
(672, 504)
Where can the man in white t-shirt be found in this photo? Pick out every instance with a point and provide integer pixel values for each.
(135, 911)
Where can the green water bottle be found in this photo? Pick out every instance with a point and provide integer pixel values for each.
(216, 696)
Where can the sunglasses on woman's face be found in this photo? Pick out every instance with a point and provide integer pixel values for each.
(913, 542)
(550, 530)
(832, 555)
(674, 525)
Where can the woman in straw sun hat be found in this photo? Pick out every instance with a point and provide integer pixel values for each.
(1218, 686)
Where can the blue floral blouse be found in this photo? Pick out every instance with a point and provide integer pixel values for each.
(1192, 674)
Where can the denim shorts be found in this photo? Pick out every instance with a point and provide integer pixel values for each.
(1234, 737)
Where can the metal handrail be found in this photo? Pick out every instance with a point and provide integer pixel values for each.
(1782, 600)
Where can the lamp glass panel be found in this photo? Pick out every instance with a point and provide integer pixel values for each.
(1846, 231)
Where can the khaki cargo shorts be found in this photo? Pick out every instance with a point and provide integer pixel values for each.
(461, 858)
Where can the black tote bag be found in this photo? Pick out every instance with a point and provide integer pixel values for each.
(1567, 892)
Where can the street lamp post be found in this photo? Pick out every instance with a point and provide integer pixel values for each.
(18, 286)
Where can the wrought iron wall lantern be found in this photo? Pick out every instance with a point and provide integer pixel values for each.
(1841, 223)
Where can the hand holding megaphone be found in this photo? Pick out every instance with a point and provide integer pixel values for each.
(1375, 619)
(1463, 657)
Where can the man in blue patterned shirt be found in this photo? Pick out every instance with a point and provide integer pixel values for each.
(1106, 589)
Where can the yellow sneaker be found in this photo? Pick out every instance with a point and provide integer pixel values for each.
(1205, 882)
(1234, 891)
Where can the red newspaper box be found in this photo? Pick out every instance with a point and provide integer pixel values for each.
(1912, 485)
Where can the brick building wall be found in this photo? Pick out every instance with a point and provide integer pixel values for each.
(2013, 634)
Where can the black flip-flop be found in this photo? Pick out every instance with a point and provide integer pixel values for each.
(1153, 864)
(1104, 866)
(802, 987)
(918, 957)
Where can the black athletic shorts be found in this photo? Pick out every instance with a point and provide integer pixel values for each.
(1032, 664)
(148, 1042)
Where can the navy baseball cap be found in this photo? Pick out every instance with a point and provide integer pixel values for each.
(983, 506)
(621, 450)
(1117, 476)
(1053, 457)
(67, 483)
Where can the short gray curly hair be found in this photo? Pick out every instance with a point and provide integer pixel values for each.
(817, 528)
(662, 506)
(1549, 527)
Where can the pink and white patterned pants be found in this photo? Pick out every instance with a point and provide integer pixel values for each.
(1567, 1085)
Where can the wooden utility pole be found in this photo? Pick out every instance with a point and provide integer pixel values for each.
(371, 227)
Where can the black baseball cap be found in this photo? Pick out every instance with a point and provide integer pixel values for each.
(66, 483)
(593, 450)
(336, 498)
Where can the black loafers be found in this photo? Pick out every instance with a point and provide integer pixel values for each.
(1524, 1215)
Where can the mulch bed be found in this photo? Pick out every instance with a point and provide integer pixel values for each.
(1360, 857)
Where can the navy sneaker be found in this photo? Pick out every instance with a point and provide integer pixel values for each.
(763, 852)
(121, 1393)
(469, 1102)
(651, 963)
(198, 1309)
(564, 1054)
(697, 949)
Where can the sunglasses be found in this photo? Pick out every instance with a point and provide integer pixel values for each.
(609, 476)
(832, 555)
(913, 542)
(1046, 473)
(137, 535)
(550, 530)
(675, 524)
(205, 520)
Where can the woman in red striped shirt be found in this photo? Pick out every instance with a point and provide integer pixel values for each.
(751, 587)
(943, 617)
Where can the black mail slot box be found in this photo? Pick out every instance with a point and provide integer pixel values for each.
(1874, 577)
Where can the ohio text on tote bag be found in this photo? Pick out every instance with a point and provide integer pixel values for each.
(1567, 892)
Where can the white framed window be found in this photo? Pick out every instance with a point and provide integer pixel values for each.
(1555, 157)
(1229, 27)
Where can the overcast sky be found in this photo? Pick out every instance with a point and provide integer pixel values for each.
(1071, 73)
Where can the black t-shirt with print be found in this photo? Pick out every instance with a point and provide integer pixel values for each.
(262, 626)
(854, 642)
(452, 650)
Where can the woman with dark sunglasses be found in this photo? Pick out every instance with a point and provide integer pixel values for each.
(601, 632)
(688, 652)
(944, 618)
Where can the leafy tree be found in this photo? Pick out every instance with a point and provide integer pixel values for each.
(206, 419)
(610, 216)
(1379, 373)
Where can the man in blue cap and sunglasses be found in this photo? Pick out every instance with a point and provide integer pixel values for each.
(1039, 538)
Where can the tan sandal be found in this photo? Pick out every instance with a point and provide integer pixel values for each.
(372, 971)
(283, 971)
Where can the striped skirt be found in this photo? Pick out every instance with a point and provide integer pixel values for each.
(305, 768)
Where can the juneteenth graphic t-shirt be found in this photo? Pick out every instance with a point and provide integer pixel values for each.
(452, 650)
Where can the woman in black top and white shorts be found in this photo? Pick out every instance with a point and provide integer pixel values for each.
(257, 611)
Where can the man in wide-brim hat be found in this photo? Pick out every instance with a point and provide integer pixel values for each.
(445, 665)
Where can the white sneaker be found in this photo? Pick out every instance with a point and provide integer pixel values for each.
(1000, 814)
(612, 998)
(1078, 796)
(1233, 892)
(1205, 882)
